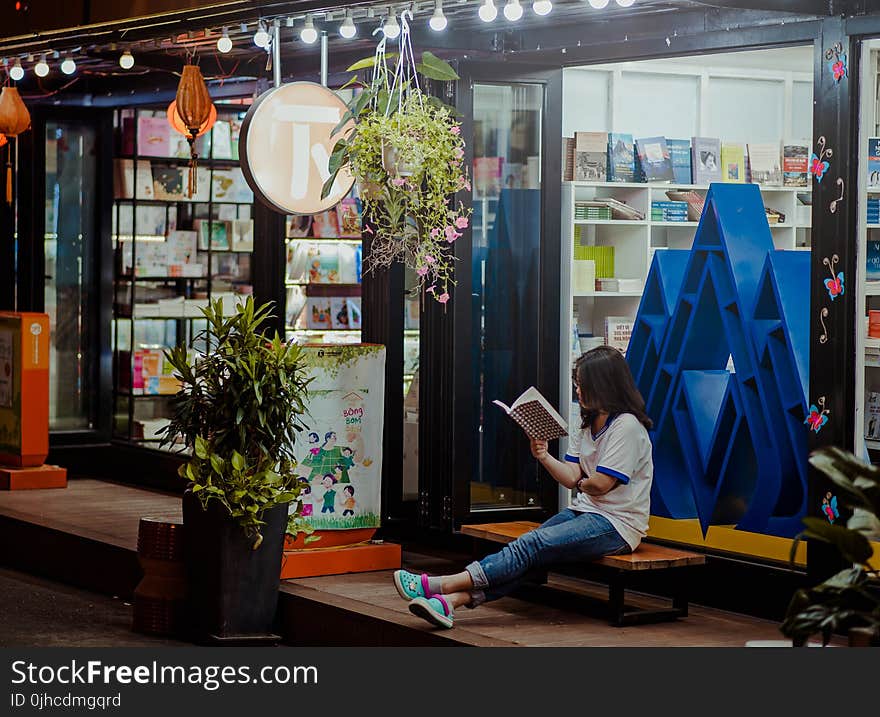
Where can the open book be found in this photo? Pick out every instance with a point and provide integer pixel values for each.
(536, 416)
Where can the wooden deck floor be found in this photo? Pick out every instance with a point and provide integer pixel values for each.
(563, 613)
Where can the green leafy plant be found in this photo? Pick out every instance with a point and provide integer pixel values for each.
(849, 598)
(407, 154)
(239, 409)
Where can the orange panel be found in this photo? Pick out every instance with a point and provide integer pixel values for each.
(32, 478)
(337, 561)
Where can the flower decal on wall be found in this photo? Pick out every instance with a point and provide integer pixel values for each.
(819, 163)
(836, 59)
(818, 415)
(835, 284)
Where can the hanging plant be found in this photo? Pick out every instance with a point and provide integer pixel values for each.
(407, 154)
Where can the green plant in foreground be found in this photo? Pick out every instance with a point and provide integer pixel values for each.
(239, 409)
(849, 598)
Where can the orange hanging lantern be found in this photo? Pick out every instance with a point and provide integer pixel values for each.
(177, 123)
(14, 119)
(3, 139)
(194, 109)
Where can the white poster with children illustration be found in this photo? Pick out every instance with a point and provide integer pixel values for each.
(340, 453)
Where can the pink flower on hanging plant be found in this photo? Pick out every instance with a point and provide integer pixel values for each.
(459, 153)
(466, 185)
(461, 223)
(435, 232)
(429, 259)
(443, 298)
(422, 271)
(430, 289)
(451, 234)
(456, 130)
(398, 181)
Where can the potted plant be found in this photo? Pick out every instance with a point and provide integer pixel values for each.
(850, 599)
(238, 411)
(407, 154)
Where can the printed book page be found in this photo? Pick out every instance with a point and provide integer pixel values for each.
(536, 416)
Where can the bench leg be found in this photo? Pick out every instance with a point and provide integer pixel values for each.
(616, 591)
(680, 601)
(620, 616)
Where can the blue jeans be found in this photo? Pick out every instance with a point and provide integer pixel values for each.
(569, 536)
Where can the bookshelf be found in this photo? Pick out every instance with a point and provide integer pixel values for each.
(323, 275)
(634, 243)
(172, 254)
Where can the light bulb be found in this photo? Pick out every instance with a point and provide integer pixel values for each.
(126, 61)
(348, 29)
(308, 34)
(68, 67)
(625, 3)
(42, 67)
(391, 28)
(224, 43)
(599, 4)
(261, 36)
(17, 71)
(438, 20)
(513, 10)
(542, 7)
(488, 12)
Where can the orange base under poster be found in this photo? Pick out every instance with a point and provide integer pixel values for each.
(340, 552)
(32, 478)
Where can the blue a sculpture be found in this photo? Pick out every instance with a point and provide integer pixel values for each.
(729, 445)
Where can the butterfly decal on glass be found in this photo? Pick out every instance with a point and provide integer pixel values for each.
(836, 59)
(819, 163)
(818, 415)
(834, 285)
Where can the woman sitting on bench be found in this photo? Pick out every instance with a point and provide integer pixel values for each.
(608, 464)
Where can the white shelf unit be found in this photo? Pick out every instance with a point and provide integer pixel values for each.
(634, 244)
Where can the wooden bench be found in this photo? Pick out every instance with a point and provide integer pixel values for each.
(619, 570)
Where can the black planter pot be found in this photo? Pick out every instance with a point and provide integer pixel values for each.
(232, 588)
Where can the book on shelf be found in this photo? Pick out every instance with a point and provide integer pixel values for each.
(568, 149)
(680, 153)
(154, 136)
(218, 233)
(318, 312)
(764, 165)
(322, 263)
(654, 160)
(348, 216)
(150, 220)
(339, 313)
(733, 162)
(872, 415)
(872, 258)
(621, 158)
(168, 183)
(601, 256)
(591, 156)
(242, 235)
(326, 224)
(619, 285)
(534, 414)
(222, 140)
(795, 164)
(618, 330)
(299, 225)
(229, 185)
(294, 305)
(706, 159)
(128, 184)
(874, 162)
(232, 267)
(355, 317)
(487, 177)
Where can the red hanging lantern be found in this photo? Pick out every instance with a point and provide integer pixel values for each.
(177, 123)
(3, 139)
(194, 109)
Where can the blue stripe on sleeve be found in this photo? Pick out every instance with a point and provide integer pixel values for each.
(572, 459)
(622, 477)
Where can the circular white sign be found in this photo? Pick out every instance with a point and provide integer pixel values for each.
(285, 147)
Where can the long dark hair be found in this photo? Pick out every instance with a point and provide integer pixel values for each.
(607, 385)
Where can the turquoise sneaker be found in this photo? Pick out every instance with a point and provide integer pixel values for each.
(411, 586)
(434, 609)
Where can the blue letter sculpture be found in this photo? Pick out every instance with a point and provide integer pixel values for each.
(730, 447)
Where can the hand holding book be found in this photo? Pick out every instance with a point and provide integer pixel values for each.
(536, 416)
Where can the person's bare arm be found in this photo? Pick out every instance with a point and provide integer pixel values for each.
(568, 474)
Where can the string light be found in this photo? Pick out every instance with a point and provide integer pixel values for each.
(348, 29)
(42, 67)
(542, 7)
(438, 20)
(68, 66)
(513, 10)
(391, 27)
(599, 4)
(126, 61)
(224, 43)
(17, 71)
(308, 34)
(488, 12)
(261, 36)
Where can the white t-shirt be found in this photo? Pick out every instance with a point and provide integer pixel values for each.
(622, 450)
